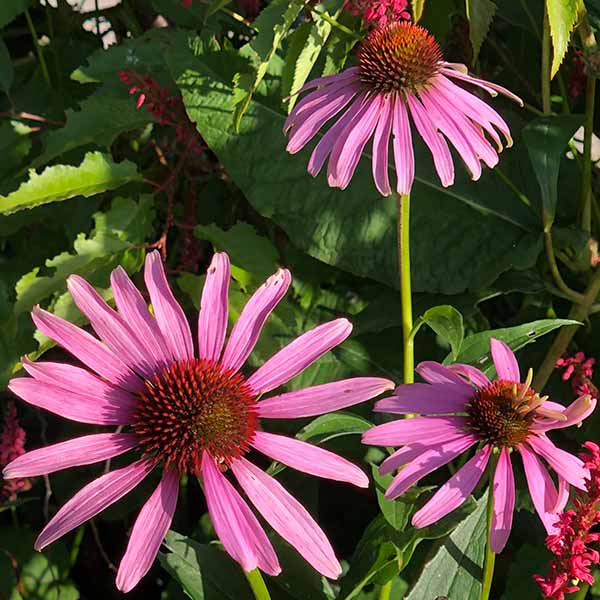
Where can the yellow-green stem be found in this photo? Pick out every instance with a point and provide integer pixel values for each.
(385, 591)
(405, 287)
(490, 557)
(586, 180)
(257, 584)
(545, 71)
(38, 48)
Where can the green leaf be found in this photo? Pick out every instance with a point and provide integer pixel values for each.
(447, 322)
(480, 14)
(562, 15)
(333, 425)
(417, 9)
(272, 24)
(456, 569)
(98, 121)
(462, 237)
(546, 139)
(97, 173)
(203, 571)
(475, 349)
(15, 145)
(6, 67)
(10, 9)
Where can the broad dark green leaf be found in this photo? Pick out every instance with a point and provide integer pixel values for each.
(546, 139)
(6, 68)
(447, 322)
(9, 9)
(562, 15)
(462, 237)
(480, 14)
(333, 425)
(457, 568)
(475, 349)
(97, 173)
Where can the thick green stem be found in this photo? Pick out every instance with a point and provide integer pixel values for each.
(405, 287)
(257, 583)
(545, 71)
(38, 48)
(586, 180)
(385, 591)
(490, 557)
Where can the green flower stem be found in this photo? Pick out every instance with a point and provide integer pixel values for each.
(257, 583)
(586, 180)
(38, 48)
(545, 72)
(405, 287)
(385, 591)
(490, 557)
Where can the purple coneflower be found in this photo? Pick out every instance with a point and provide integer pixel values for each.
(187, 412)
(464, 408)
(400, 72)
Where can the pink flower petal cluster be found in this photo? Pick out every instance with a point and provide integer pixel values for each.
(12, 445)
(178, 401)
(461, 409)
(579, 370)
(378, 12)
(571, 543)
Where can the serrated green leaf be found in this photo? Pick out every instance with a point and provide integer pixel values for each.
(447, 322)
(97, 173)
(480, 14)
(562, 16)
(10, 9)
(6, 68)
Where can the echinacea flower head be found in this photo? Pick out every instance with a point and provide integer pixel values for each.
(187, 409)
(460, 409)
(401, 76)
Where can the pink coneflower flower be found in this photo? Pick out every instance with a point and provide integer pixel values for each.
(187, 411)
(464, 408)
(400, 72)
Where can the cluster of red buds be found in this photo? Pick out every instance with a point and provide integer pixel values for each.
(167, 109)
(579, 370)
(12, 445)
(573, 554)
(378, 13)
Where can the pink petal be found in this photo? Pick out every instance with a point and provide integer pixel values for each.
(576, 412)
(237, 528)
(505, 361)
(425, 398)
(347, 150)
(434, 372)
(414, 431)
(214, 308)
(404, 158)
(102, 409)
(320, 399)
(428, 461)
(133, 308)
(308, 458)
(563, 495)
(111, 327)
(471, 374)
(148, 532)
(403, 456)
(299, 354)
(84, 450)
(169, 315)
(86, 348)
(569, 467)
(346, 74)
(455, 491)
(94, 498)
(488, 86)
(246, 331)
(541, 487)
(436, 143)
(381, 143)
(287, 517)
(504, 502)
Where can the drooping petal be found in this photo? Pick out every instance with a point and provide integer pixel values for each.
(414, 431)
(133, 308)
(84, 450)
(541, 487)
(428, 462)
(102, 409)
(94, 498)
(505, 361)
(402, 457)
(442, 159)
(214, 308)
(563, 495)
(455, 491)
(299, 354)
(148, 532)
(404, 157)
(246, 331)
(308, 458)
(237, 528)
(569, 467)
(169, 315)
(87, 349)
(504, 502)
(471, 374)
(287, 517)
(321, 399)
(492, 88)
(434, 372)
(111, 328)
(381, 144)
(575, 413)
(346, 74)
(426, 399)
